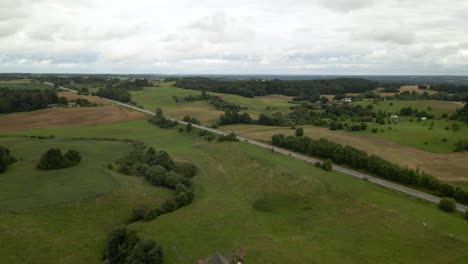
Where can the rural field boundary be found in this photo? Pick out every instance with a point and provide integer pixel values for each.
(390, 185)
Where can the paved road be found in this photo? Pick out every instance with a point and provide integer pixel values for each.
(378, 181)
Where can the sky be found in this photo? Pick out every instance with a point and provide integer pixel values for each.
(380, 37)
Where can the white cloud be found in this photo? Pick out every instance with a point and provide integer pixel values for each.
(243, 36)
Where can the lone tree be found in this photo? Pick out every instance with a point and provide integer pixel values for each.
(5, 159)
(327, 165)
(189, 127)
(53, 159)
(299, 132)
(447, 204)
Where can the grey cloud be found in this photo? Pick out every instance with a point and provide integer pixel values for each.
(345, 5)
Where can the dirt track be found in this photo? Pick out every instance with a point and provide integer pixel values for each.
(66, 117)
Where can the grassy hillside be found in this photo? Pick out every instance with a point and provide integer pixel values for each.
(278, 209)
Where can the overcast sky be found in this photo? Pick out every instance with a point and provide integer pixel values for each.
(235, 37)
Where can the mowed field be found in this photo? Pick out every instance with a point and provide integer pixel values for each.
(277, 209)
(162, 97)
(23, 84)
(447, 166)
(66, 117)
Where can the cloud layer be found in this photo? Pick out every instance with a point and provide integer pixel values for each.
(235, 37)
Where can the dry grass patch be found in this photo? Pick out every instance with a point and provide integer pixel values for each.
(66, 117)
(71, 96)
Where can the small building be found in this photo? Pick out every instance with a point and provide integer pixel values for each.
(423, 118)
(346, 100)
(394, 116)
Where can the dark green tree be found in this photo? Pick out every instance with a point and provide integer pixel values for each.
(447, 204)
(299, 132)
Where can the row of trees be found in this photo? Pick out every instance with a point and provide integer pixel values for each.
(251, 88)
(5, 158)
(360, 160)
(53, 159)
(21, 100)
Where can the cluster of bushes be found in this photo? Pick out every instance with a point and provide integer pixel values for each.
(192, 98)
(53, 159)
(360, 160)
(208, 136)
(234, 117)
(461, 145)
(229, 137)
(326, 165)
(224, 105)
(251, 88)
(161, 121)
(22, 100)
(5, 158)
(336, 125)
(114, 93)
(125, 247)
(192, 120)
(84, 103)
(461, 114)
(158, 169)
(409, 111)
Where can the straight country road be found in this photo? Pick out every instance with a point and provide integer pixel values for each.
(378, 181)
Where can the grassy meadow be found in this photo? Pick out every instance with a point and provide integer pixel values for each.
(161, 96)
(277, 209)
(434, 107)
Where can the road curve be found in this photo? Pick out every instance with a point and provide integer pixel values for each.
(378, 181)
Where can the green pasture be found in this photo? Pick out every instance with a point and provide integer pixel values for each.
(277, 209)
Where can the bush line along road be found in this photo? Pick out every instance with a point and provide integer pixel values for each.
(378, 181)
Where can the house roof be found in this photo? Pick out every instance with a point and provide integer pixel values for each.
(217, 259)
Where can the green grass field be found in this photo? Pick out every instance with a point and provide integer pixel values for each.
(279, 210)
(161, 96)
(23, 84)
(419, 135)
(23, 186)
(435, 107)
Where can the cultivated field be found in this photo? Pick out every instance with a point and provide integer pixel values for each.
(279, 210)
(66, 117)
(71, 96)
(414, 88)
(447, 166)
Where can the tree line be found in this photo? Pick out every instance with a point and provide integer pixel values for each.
(360, 160)
(22, 100)
(251, 88)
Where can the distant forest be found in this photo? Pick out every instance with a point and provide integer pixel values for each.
(26, 100)
(251, 88)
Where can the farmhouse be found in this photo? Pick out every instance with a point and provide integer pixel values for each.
(346, 100)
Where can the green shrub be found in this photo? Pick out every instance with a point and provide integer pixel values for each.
(5, 158)
(53, 159)
(447, 204)
(299, 132)
(327, 165)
